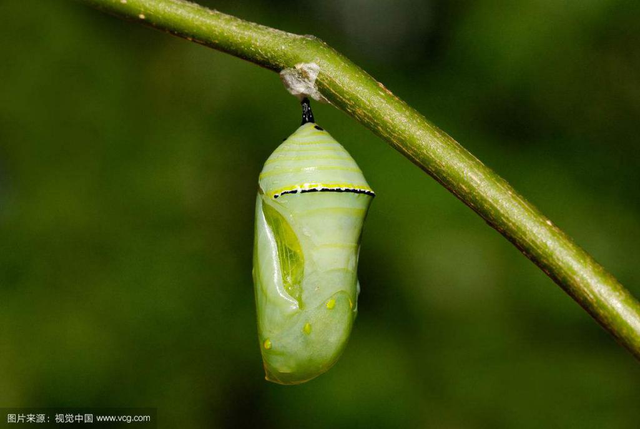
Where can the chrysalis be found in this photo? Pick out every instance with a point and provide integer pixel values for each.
(311, 205)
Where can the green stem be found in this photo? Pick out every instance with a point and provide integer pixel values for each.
(350, 89)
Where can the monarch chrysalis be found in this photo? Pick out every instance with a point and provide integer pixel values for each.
(311, 205)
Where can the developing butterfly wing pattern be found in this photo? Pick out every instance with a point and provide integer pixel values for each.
(310, 209)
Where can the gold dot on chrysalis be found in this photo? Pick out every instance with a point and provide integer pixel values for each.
(331, 303)
(267, 344)
(307, 328)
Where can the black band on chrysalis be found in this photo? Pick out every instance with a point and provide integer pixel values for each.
(307, 114)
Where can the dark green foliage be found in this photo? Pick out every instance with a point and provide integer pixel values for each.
(127, 187)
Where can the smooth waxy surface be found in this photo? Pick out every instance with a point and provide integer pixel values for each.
(310, 210)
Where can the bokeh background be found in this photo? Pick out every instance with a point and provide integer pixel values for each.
(128, 172)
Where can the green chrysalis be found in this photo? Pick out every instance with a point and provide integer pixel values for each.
(311, 205)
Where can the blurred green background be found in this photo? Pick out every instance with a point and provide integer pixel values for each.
(128, 171)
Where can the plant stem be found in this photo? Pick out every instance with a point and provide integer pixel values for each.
(350, 89)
